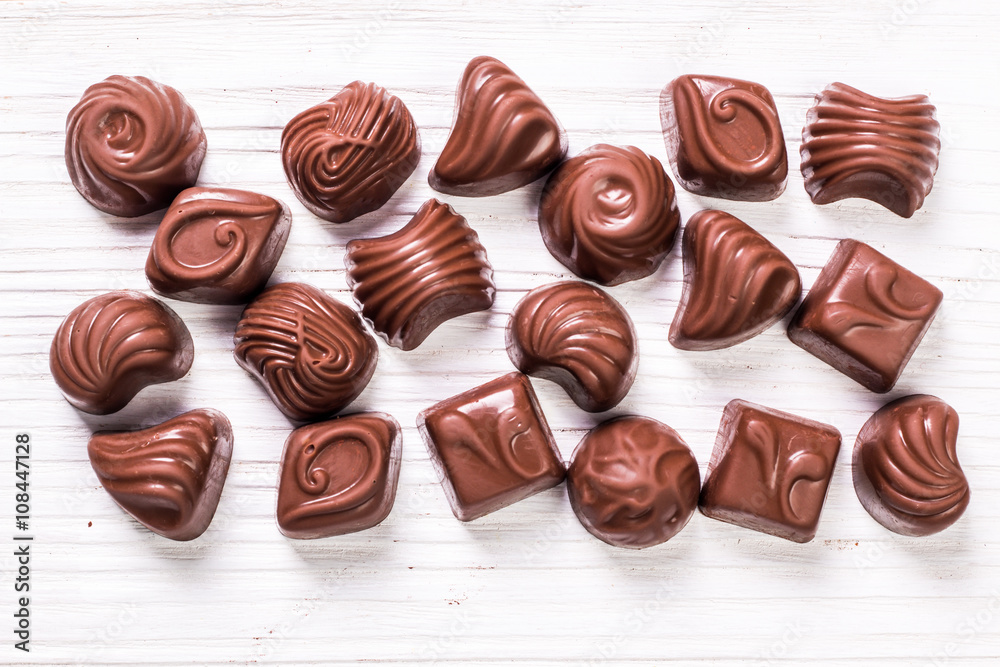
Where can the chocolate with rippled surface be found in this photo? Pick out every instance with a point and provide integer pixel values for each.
(311, 352)
(347, 156)
(217, 245)
(724, 138)
(132, 144)
(859, 145)
(609, 214)
(114, 345)
(579, 337)
(736, 284)
(430, 271)
(503, 136)
(168, 477)
(865, 315)
(491, 446)
(906, 469)
(770, 471)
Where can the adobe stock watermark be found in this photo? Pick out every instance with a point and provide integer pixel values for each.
(353, 46)
(125, 616)
(777, 652)
(631, 624)
(900, 15)
(709, 37)
(967, 630)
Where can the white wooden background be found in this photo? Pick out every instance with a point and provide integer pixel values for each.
(527, 585)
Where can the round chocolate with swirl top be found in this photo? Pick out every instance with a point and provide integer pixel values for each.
(906, 471)
(633, 482)
(132, 144)
(609, 214)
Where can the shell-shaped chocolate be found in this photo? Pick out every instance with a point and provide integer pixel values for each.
(906, 470)
(579, 337)
(132, 144)
(503, 136)
(217, 245)
(112, 346)
(431, 270)
(736, 283)
(347, 156)
(169, 477)
(858, 145)
(609, 214)
(311, 352)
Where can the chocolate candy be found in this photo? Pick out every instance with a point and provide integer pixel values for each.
(311, 353)
(724, 138)
(339, 476)
(347, 156)
(217, 245)
(491, 446)
(633, 482)
(865, 315)
(769, 471)
(609, 214)
(112, 346)
(906, 471)
(503, 136)
(736, 284)
(579, 337)
(132, 144)
(858, 145)
(168, 477)
(430, 271)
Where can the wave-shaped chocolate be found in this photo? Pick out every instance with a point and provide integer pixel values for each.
(217, 245)
(311, 352)
(339, 476)
(736, 284)
(906, 470)
(503, 136)
(168, 477)
(431, 270)
(132, 144)
(114, 345)
(858, 145)
(579, 337)
(609, 214)
(347, 156)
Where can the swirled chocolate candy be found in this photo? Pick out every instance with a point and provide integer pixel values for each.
(491, 446)
(339, 476)
(503, 136)
(114, 345)
(609, 214)
(217, 245)
(865, 315)
(347, 156)
(311, 352)
(736, 284)
(633, 482)
(858, 145)
(132, 144)
(769, 471)
(906, 470)
(430, 271)
(724, 138)
(168, 477)
(579, 337)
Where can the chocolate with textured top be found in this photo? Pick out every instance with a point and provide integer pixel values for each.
(430, 271)
(503, 136)
(132, 144)
(217, 245)
(865, 315)
(168, 477)
(347, 156)
(114, 345)
(906, 470)
(609, 214)
(633, 482)
(579, 337)
(736, 284)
